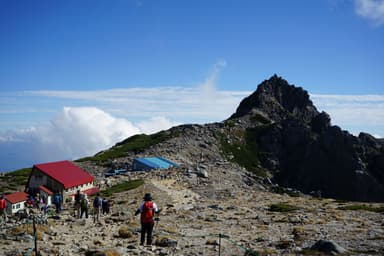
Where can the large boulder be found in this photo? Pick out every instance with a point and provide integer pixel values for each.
(328, 247)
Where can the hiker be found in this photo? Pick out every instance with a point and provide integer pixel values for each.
(76, 205)
(43, 204)
(37, 201)
(30, 201)
(105, 206)
(96, 208)
(84, 206)
(147, 209)
(3, 208)
(57, 200)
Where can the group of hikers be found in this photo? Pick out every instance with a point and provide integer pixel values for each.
(81, 206)
(147, 210)
(41, 202)
(38, 201)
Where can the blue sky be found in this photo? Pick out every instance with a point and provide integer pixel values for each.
(130, 66)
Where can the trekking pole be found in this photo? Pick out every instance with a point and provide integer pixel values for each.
(219, 244)
(154, 228)
(35, 235)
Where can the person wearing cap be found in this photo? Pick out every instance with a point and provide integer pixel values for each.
(3, 208)
(147, 210)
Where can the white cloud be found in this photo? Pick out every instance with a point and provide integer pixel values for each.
(156, 124)
(182, 104)
(371, 9)
(208, 88)
(72, 133)
(202, 103)
(82, 131)
(355, 113)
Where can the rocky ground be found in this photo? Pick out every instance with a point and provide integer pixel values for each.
(198, 214)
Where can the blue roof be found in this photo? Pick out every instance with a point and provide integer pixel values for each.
(156, 162)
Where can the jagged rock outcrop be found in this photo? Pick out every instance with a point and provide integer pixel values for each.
(304, 151)
(277, 99)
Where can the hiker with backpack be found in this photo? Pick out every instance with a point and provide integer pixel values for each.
(76, 205)
(43, 204)
(96, 208)
(3, 208)
(58, 200)
(147, 210)
(105, 206)
(84, 206)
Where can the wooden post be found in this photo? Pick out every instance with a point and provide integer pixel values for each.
(35, 235)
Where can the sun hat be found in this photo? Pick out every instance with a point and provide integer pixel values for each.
(147, 197)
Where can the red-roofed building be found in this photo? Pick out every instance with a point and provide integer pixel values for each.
(63, 177)
(16, 201)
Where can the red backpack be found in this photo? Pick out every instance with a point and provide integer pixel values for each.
(147, 213)
(3, 204)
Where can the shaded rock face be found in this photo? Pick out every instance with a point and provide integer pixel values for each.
(304, 151)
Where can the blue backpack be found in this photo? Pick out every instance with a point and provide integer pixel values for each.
(97, 202)
(57, 199)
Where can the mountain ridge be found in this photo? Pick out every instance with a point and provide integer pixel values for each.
(277, 133)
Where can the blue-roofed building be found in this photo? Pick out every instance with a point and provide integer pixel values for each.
(150, 163)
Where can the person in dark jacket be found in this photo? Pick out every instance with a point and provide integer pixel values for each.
(58, 200)
(84, 206)
(105, 206)
(77, 206)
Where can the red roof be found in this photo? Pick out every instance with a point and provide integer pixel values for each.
(65, 173)
(17, 197)
(46, 190)
(91, 191)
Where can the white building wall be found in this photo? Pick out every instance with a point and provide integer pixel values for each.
(71, 191)
(13, 208)
(47, 196)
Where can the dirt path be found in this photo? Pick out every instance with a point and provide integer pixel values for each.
(182, 198)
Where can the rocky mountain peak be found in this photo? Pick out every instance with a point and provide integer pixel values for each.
(300, 147)
(278, 99)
